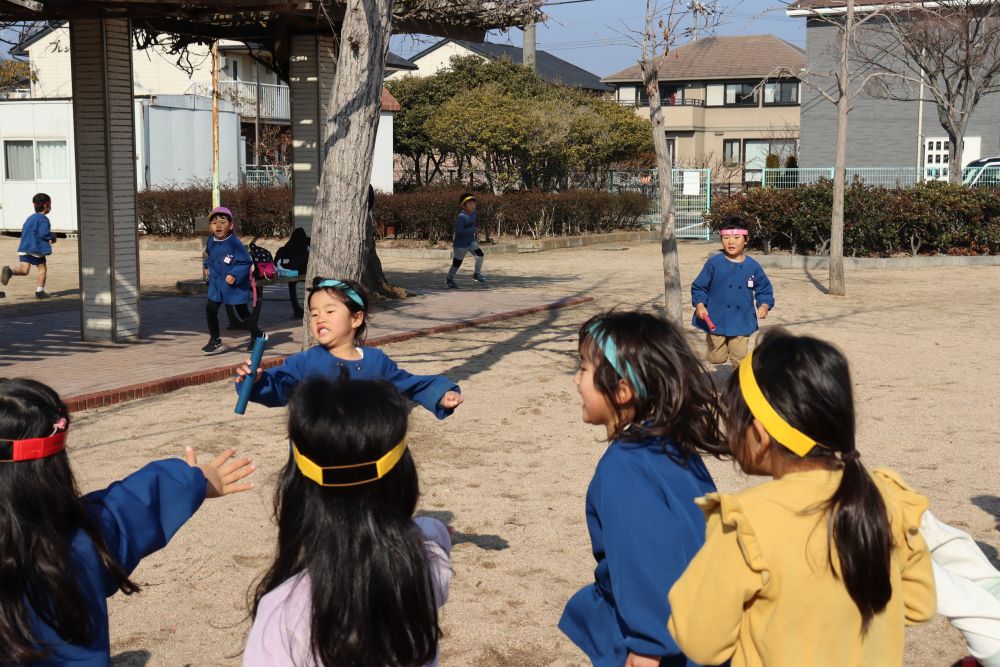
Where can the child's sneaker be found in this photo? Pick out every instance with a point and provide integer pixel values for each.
(5, 274)
(452, 284)
(42, 295)
(478, 277)
(213, 346)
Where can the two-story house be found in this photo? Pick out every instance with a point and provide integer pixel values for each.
(728, 103)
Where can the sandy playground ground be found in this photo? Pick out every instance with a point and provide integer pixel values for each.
(510, 469)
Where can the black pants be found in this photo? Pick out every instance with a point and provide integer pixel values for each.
(212, 315)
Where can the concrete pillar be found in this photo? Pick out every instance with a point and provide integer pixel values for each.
(313, 63)
(104, 131)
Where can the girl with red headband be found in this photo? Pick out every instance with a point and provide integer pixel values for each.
(63, 553)
(729, 295)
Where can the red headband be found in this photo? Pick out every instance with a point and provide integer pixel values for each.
(33, 448)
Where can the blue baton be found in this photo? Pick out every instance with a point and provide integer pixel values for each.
(247, 386)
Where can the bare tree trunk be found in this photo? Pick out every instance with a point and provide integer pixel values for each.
(956, 140)
(341, 245)
(838, 286)
(672, 301)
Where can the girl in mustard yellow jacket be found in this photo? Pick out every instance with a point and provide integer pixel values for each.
(823, 565)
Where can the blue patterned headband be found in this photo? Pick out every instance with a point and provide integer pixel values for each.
(610, 351)
(347, 289)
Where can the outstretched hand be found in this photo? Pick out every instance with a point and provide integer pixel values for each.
(222, 474)
(451, 400)
(244, 370)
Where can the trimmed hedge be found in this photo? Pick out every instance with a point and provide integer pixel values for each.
(928, 218)
(175, 211)
(430, 213)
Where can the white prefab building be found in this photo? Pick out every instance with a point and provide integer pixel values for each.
(173, 146)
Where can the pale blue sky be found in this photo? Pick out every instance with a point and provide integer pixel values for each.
(585, 34)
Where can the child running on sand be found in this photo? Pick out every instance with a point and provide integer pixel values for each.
(642, 382)
(338, 311)
(465, 241)
(227, 267)
(731, 293)
(823, 565)
(356, 579)
(36, 244)
(63, 553)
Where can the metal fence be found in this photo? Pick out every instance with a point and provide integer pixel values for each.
(268, 176)
(692, 197)
(885, 177)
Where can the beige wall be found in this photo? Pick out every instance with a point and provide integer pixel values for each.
(155, 71)
(434, 62)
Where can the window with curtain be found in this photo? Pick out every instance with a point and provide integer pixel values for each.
(731, 152)
(784, 92)
(19, 160)
(52, 160)
(741, 95)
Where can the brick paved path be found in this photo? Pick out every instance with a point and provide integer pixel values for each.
(48, 347)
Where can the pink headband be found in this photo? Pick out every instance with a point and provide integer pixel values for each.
(730, 232)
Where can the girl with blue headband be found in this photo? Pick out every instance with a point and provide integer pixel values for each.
(338, 313)
(640, 380)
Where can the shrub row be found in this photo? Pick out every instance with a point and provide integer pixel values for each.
(176, 211)
(928, 218)
(430, 213)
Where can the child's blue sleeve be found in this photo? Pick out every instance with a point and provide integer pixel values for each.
(644, 557)
(139, 514)
(427, 390)
(275, 385)
(701, 285)
(763, 291)
(45, 229)
(240, 267)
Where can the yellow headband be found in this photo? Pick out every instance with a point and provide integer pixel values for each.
(780, 430)
(469, 198)
(350, 475)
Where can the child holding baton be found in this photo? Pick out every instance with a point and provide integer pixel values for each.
(729, 295)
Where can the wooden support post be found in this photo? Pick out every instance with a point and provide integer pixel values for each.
(313, 64)
(104, 131)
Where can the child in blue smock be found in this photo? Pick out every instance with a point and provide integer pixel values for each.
(642, 382)
(36, 244)
(729, 295)
(338, 311)
(64, 554)
(465, 241)
(228, 268)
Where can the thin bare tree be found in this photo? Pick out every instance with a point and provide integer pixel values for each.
(663, 29)
(839, 85)
(953, 48)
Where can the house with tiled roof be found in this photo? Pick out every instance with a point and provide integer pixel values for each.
(724, 107)
(549, 68)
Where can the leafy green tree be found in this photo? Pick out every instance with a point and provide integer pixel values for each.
(14, 74)
(419, 99)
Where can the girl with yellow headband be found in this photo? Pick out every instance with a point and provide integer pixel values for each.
(823, 565)
(643, 384)
(356, 580)
(465, 241)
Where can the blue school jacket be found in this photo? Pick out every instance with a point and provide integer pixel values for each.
(275, 385)
(465, 230)
(228, 257)
(36, 235)
(732, 292)
(644, 530)
(136, 516)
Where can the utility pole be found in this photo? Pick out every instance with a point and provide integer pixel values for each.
(920, 129)
(216, 197)
(256, 122)
(529, 45)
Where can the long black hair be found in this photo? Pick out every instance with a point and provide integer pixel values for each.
(677, 397)
(40, 507)
(807, 381)
(372, 596)
(352, 305)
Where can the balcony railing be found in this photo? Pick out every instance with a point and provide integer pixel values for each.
(664, 103)
(274, 100)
